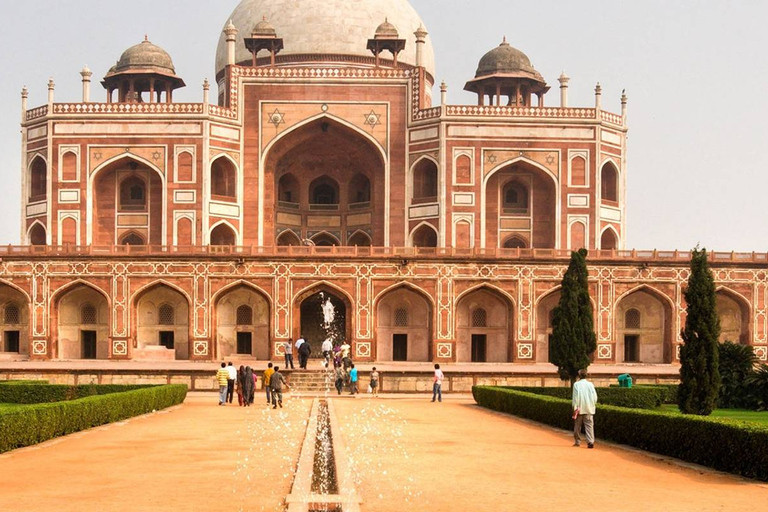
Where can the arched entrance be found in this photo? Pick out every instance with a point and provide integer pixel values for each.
(520, 202)
(161, 324)
(403, 326)
(323, 312)
(14, 321)
(734, 317)
(242, 323)
(483, 327)
(327, 177)
(82, 324)
(643, 327)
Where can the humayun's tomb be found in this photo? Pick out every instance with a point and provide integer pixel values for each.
(154, 230)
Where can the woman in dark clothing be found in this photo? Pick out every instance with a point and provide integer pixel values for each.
(239, 385)
(248, 386)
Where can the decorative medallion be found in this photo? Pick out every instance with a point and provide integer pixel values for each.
(492, 158)
(525, 351)
(156, 156)
(98, 156)
(551, 159)
(324, 107)
(277, 118)
(445, 350)
(363, 349)
(372, 119)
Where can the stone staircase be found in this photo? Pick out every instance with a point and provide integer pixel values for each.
(310, 381)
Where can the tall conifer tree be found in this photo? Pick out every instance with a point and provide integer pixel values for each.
(699, 355)
(573, 332)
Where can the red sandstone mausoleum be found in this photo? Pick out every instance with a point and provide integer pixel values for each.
(157, 230)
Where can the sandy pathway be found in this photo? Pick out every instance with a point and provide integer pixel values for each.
(198, 456)
(457, 456)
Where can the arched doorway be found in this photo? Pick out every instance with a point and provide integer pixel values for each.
(734, 317)
(609, 241)
(544, 315)
(14, 321)
(288, 238)
(37, 235)
(609, 179)
(520, 200)
(242, 323)
(403, 326)
(223, 235)
(326, 176)
(82, 324)
(424, 236)
(643, 327)
(483, 327)
(323, 312)
(162, 324)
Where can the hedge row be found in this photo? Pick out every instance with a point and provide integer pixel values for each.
(22, 382)
(34, 393)
(636, 398)
(736, 447)
(37, 423)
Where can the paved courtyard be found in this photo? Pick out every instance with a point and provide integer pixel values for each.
(449, 456)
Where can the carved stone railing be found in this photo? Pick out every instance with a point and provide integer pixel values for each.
(128, 108)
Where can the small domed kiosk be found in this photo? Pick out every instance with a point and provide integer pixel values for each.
(142, 75)
(507, 72)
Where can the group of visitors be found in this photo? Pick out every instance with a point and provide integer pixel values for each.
(243, 383)
(303, 349)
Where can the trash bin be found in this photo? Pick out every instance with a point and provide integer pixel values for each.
(625, 380)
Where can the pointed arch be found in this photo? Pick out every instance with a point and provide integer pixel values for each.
(654, 341)
(484, 323)
(324, 236)
(516, 242)
(224, 177)
(17, 288)
(342, 298)
(132, 237)
(609, 239)
(424, 180)
(320, 286)
(490, 288)
(743, 331)
(288, 238)
(610, 181)
(38, 178)
(221, 226)
(360, 239)
(60, 292)
(403, 284)
(417, 229)
(237, 284)
(156, 284)
(152, 333)
(37, 234)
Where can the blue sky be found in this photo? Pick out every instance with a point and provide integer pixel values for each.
(694, 72)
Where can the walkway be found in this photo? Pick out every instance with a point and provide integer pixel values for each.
(452, 456)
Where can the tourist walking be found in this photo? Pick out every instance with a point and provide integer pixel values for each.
(267, 380)
(288, 350)
(327, 349)
(222, 377)
(345, 349)
(437, 387)
(305, 350)
(340, 375)
(300, 342)
(277, 383)
(353, 381)
(231, 381)
(374, 382)
(248, 386)
(584, 405)
(239, 385)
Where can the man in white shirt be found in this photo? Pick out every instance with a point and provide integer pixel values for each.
(231, 377)
(299, 342)
(437, 387)
(584, 404)
(327, 348)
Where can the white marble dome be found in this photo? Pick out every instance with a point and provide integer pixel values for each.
(333, 27)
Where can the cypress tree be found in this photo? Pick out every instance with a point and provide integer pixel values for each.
(699, 355)
(573, 333)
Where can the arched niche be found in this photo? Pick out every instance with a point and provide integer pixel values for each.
(396, 341)
(37, 235)
(544, 314)
(651, 342)
(484, 327)
(38, 179)
(288, 238)
(424, 236)
(223, 179)
(242, 323)
(734, 313)
(82, 324)
(609, 178)
(609, 240)
(425, 181)
(223, 235)
(14, 321)
(161, 324)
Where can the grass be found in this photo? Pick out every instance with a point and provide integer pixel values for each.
(729, 414)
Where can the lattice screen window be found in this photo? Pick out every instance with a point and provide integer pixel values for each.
(401, 317)
(88, 315)
(166, 315)
(12, 316)
(244, 315)
(632, 319)
(479, 318)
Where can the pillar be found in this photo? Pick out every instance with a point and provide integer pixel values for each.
(86, 74)
(151, 90)
(421, 40)
(51, 87)
(598, 96)
(231, 32)
(443, 93)
(564, 79)
(206, 95)
(24, 102)
(624, 107)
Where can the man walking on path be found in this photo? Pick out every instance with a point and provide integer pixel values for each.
(288, 349)
(353, 380)
(437, 387)
(277, 382)
(305, 349)
(222, 376)
(268, 382)
(327, 349)
(300, 342)
(584, 402)
(231, 381)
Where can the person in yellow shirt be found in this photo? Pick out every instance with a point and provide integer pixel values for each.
(222, 376)
(267, 381)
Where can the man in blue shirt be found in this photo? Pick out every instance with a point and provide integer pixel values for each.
(353, 380)
(584, 404)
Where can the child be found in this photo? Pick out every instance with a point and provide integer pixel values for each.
(375, 383)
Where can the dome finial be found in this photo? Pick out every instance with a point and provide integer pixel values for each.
(504, 41)
(146, 37)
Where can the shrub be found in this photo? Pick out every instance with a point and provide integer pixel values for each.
(757, 383)
(736, 447)
(640, 397)
(28, 393)
(40, 422)
(736, 363)
(22, 382)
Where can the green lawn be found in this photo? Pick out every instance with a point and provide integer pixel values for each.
(731, 414)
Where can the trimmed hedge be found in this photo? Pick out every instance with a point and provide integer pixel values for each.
(22, 382)
(40, 422)
(732, 446)
(29, 393)
(636, 398)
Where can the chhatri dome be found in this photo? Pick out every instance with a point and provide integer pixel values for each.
(506, 60)
(146, 57)
(327, 27)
